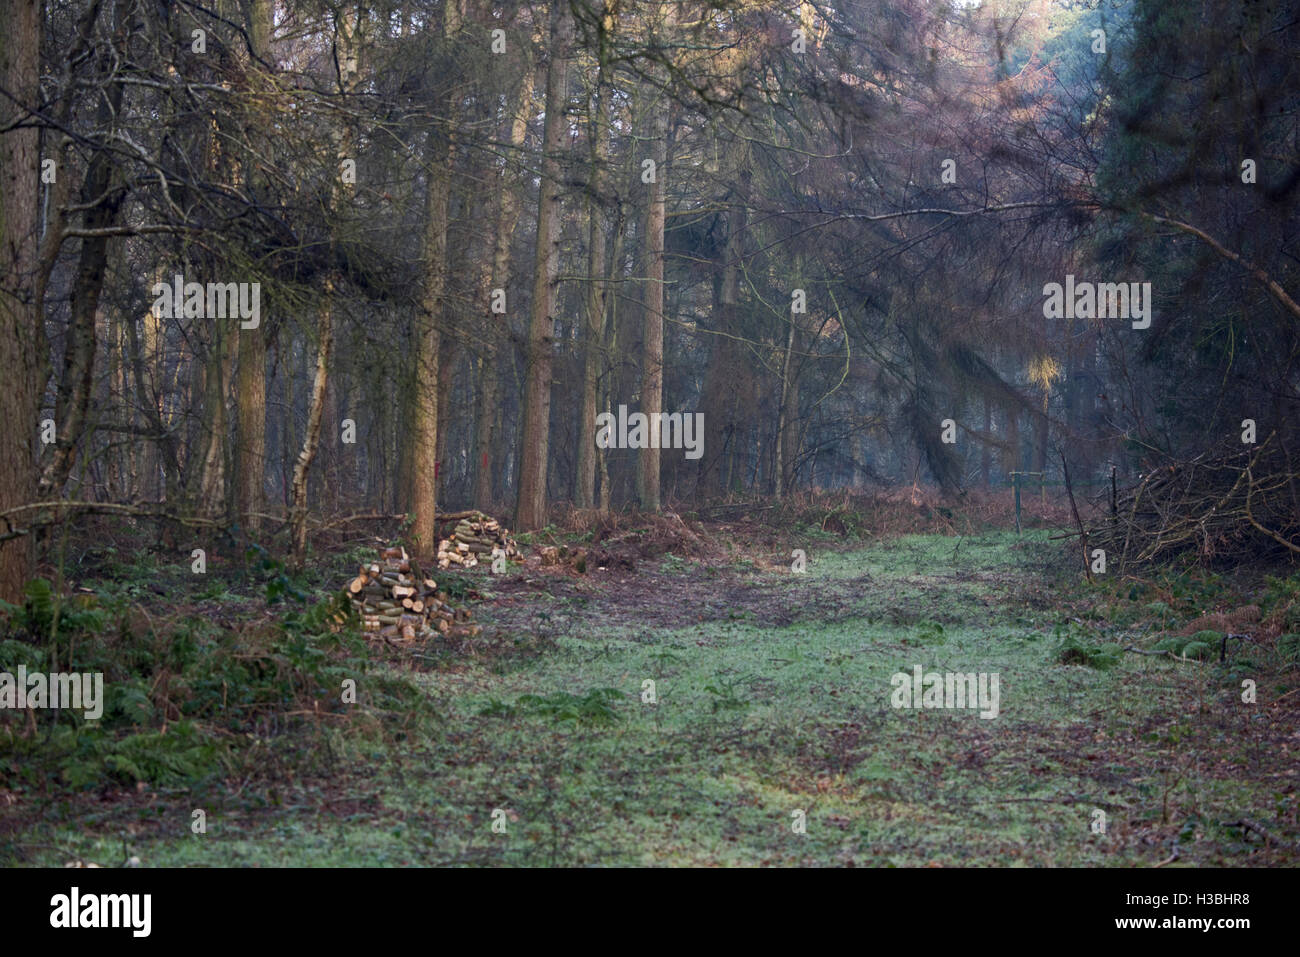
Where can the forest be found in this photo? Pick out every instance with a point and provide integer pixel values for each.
(677, 433)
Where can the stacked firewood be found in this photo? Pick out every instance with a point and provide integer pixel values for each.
(476, 538)
(395, 604)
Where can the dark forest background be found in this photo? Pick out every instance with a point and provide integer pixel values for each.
(853, 211)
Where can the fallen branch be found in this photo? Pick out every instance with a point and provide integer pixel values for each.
(1248, 825)
(61, 508)
(1164, 654)
(1168, 860)
(1250, 490)
(1059, 800)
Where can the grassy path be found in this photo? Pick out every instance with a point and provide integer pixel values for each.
(772, 705)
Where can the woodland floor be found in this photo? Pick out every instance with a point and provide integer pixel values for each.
(773, 695)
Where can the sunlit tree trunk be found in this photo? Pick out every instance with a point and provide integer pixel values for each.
(315, 412)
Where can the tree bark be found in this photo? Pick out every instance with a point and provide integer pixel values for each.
(534, 432)
(422, 458)
(721, 382)
(349, 67)
(311, 434)
(72, 402)
(212, 483)
(593, 359)
(652, 342)
(250, 468)
(250, 462)
(20, 325)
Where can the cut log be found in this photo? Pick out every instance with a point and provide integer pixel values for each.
(395, 605)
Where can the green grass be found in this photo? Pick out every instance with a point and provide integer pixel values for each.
(756, 719)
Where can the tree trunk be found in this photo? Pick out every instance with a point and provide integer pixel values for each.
(652, 342)
(73, 400)
(146, 358)
(593, 358)
(349, 68)
(422, 458)
(787, 428)
(609, 384)
(250, 467)
(986, 452)
(21, 335)
(311, 434)
(534, 432)
(721, 385)
(448, 357)
(212, 483)
(250, 462)
(1011, 457)
(1042, 433)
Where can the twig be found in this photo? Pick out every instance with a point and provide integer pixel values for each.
(1069, 490)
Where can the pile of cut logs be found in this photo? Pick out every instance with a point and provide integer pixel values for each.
(394, 604)
(476, 538)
